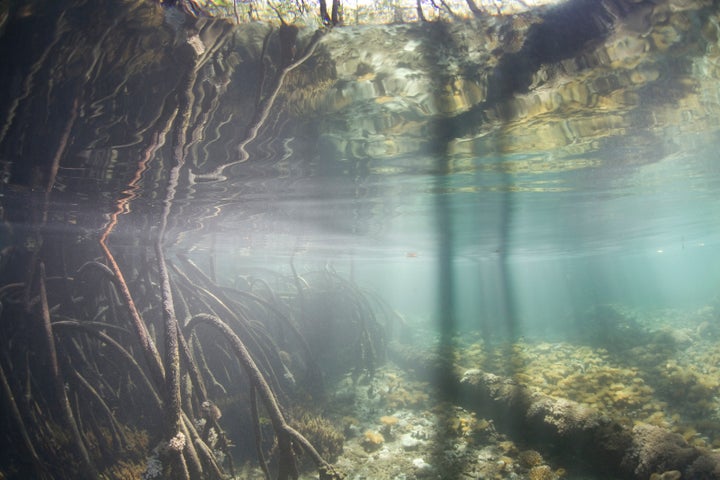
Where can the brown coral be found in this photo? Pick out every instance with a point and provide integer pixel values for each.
(541, 472)
(388, 424)
(564, 414)
(529, 458)
(372, 440)
(321, 433)
(655, 449)
(388, 420)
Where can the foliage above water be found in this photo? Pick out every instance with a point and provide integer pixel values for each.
(354, 12)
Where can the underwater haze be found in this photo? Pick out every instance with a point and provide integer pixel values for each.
(393, 240)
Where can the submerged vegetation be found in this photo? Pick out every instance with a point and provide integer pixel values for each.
(88, 376)
(141, 363)
(128, 351)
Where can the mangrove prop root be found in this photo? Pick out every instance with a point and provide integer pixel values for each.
(216, 293)
(192, 369)
(180, 468)
(264, 105)
(285, 434)
(286, 319)
(199, 448)
(173, 402)
(150, 351)
(119, 439)
(172, 350)
(258, 432)
(40, 470)
(93, 330)
(194, 465)
(210, 457)
(200, 355)
(61, 394)
(239, 318)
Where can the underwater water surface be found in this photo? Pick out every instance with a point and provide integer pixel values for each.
(480, 244)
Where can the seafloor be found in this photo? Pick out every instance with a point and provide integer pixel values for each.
(651, 367)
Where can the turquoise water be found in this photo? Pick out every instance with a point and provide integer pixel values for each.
(643, 236)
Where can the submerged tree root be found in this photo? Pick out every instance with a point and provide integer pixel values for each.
(93, 356)
(286, 435)
(38, 465)
(125, 377)
(62, 403)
